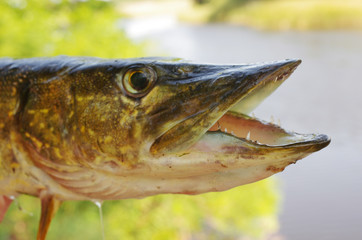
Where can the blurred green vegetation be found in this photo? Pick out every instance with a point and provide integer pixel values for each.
(51, 27)
(249, 211)
(280, 14)
(44, 28)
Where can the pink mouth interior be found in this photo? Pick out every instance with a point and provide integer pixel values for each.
(248, 128)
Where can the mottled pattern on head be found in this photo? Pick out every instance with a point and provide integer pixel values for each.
(90, 128)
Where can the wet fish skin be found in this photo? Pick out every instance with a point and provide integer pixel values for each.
(72, 111)
(69, 130)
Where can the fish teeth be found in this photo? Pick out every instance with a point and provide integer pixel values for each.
(226, 130)
(248, 136)
(272, 119)
(232, 133)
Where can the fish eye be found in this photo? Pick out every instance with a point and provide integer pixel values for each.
(137, 81)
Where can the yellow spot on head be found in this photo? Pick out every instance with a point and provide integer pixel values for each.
(13, 91)
(37, 143)
(90, 131)
(44, 110)
(14, 165)
(108, 139)
(57, 153)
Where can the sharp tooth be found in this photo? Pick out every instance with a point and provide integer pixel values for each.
(275, 79)
(253, 115)
(272, 119)
(248, 136)
(232, 133)
(226, 130)
(279, 123)
(218, 126)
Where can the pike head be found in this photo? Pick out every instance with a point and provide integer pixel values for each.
(139, 127)
(87, 128)
(198, 137)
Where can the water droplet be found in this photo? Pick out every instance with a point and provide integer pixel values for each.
(99, 204)
(21, 209)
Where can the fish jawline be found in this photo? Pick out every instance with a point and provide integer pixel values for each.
(238, 131)
(258, 132)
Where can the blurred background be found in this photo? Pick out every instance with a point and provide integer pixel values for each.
(318, 198)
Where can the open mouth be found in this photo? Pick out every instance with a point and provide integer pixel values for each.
(235, 128)
(223, 126)
(261, 133)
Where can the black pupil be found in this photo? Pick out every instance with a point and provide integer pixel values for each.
(139, 81)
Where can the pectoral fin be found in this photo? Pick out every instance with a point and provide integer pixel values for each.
(4, 204)
(49, 206)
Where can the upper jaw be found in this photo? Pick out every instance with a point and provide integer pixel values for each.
(238, 88)
(240, 131)
(271, 77)
(234, 131)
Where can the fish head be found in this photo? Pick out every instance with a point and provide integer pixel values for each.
(189, 121)
(93, 129)
(150, 125)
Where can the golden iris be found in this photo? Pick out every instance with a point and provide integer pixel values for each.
(138, 81)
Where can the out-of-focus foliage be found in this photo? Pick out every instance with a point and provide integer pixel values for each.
(51, 27)
(249, 211)
(281, 14)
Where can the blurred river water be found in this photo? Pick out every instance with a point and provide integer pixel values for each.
(321, 194)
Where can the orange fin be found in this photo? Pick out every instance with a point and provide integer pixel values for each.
(4, 204)
(49, 206)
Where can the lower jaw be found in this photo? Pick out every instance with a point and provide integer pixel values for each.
(244, 130)
(251, 129)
